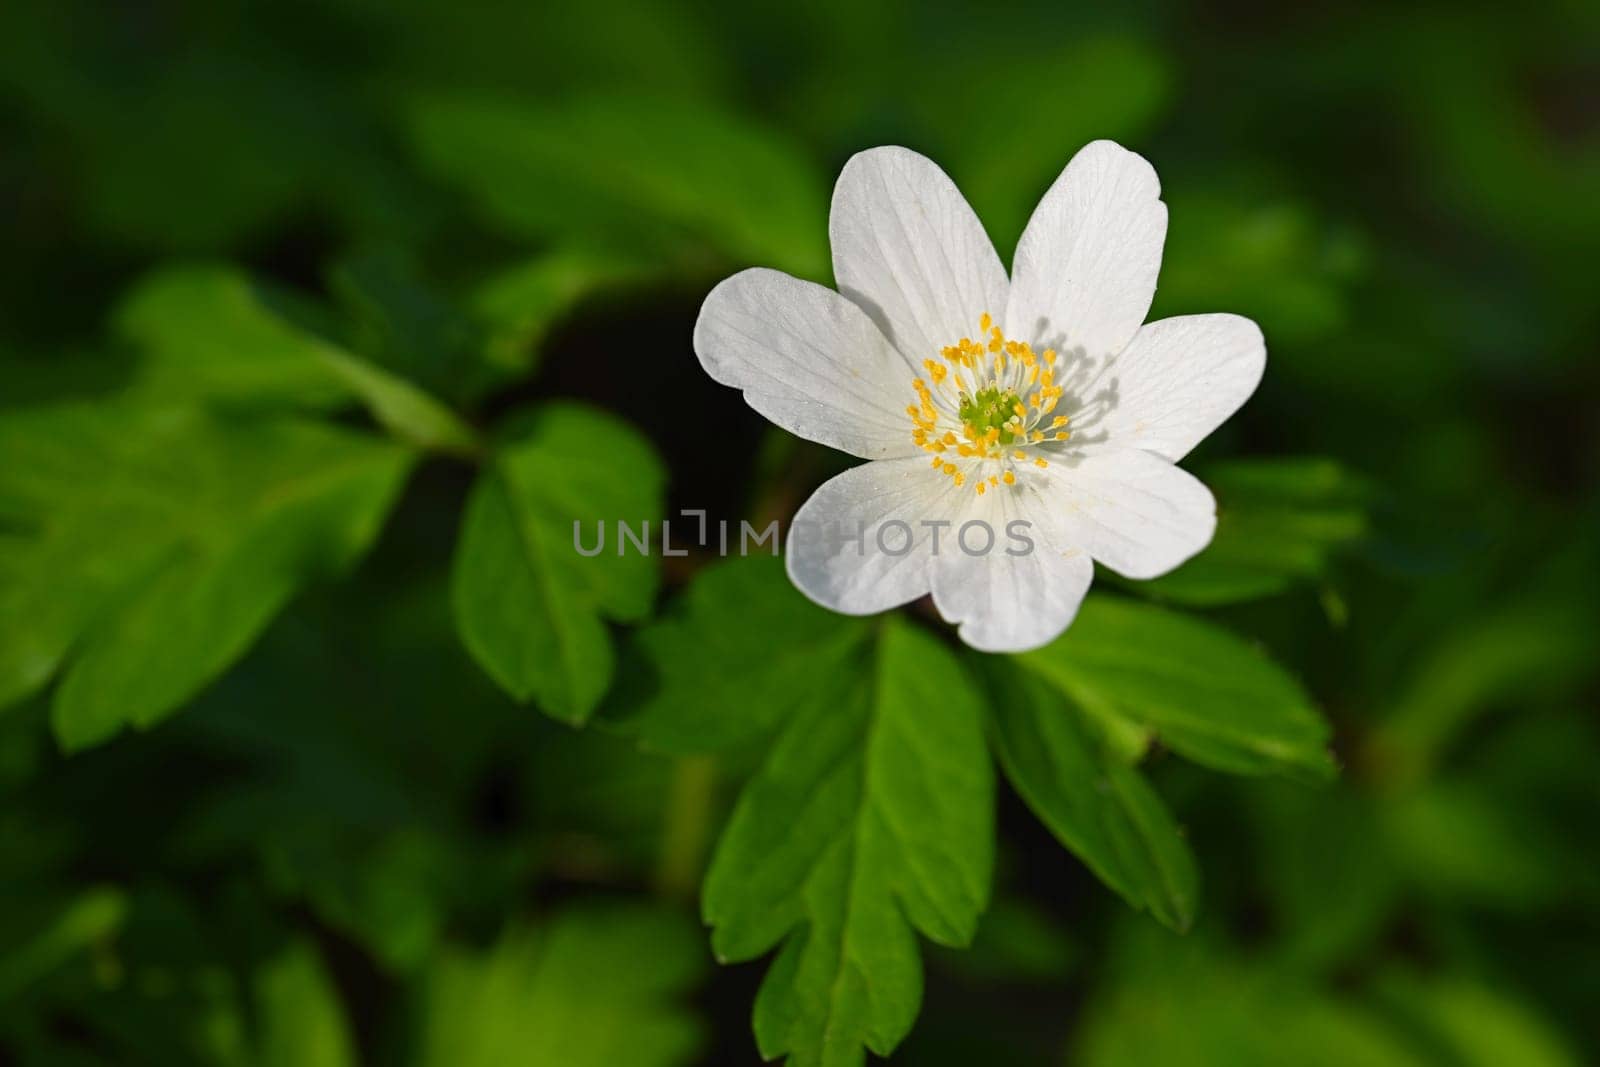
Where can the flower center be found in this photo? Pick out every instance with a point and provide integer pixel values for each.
(1001, 395)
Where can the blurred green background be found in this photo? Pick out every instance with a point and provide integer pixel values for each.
(275, 276)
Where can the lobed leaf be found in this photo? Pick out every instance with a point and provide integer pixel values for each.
(528, 605)
(215, 527)
(871, 819)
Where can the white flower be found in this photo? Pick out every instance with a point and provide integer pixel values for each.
(1042, 398)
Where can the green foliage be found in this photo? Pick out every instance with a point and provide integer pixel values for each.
(871, 817)
(590, 987)
(519, 305)
(1096, 804)
(206, 334)
(1175, 1004)
(528, 604)
(550, 170)
(38, 944)
(1279, 522)
(1202, 691)
(1264, 257)
(736, 655)
(301, 1021)
(1060, 99)
(218, 523)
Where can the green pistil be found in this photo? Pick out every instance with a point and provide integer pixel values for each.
(991, 408)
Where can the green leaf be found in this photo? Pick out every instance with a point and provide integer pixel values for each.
(592, 987)
(155, 545)
(1098, 806)
(519, 306)
(207, 333)
(872, 817)
(528, 605)
(301, 1022)
(1279, 522)
(740, 651)
(1203, 691)
(631, 172)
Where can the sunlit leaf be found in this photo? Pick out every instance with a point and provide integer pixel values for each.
(1095, 803)
(591, 987)
(156, 544)
(1200, 689)
(206, 333)
(528, 604)
(871, 820)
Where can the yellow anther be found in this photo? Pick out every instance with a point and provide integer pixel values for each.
(1040, 463)
(1032, 396)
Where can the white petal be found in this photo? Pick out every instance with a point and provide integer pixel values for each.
(1131, 510)
(809, 360)
(1180, 379)
(908, 249)
(881, 565)
(1005, 602)
(1085, 269)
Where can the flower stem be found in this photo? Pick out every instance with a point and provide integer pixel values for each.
(686, 827)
